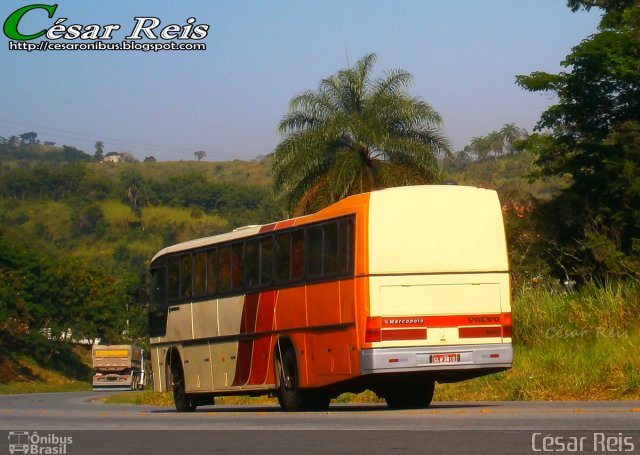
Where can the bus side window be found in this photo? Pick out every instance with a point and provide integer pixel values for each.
(224, 269)
(158, 300)
(314, 252)
(212, 271)
(237, 263)
(186, 275)
(283, 256)
(174, 277)
(266, 260)
(330, 249)
(199, 273)
(297, 256)
(346, 246)
(252, 263)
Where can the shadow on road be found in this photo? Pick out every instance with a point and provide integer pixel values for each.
(338, 407)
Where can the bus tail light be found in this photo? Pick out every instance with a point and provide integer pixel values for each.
(404, 334)
(506, 325)
(480, 332)
(374, 333)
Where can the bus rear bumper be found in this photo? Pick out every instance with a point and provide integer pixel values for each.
(437, 358)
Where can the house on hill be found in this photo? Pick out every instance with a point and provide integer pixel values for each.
(112, 157)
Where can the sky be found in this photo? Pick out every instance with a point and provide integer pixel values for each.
(228, 99)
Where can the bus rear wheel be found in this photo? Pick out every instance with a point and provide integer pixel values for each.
(289, 393)
(410, 394)
(316, 400)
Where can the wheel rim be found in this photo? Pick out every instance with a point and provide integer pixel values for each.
(289, 380)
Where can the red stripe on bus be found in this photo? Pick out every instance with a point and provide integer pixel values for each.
(480, 332)
(262, 346)
(443, 321)
(462, 320)
(245, 347)
(404, 334)
(285, 223)
(268, 227)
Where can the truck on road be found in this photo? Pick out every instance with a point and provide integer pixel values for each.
(118, 367)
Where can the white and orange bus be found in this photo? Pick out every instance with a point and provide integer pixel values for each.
(390, 291)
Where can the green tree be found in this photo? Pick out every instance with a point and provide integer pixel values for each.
(594, 132)
(353, 134)
(29, 138)
(480, 146)
(200, 154)
(496, 143)
(99, 146)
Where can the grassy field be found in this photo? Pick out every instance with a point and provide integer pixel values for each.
(30, 377)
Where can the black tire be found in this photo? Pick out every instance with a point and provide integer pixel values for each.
(289, 393)
(181, 399)
(134, 381)
(413, 394)
(290, 396)
(316, 400)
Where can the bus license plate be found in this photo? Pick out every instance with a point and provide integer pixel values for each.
(445, 358)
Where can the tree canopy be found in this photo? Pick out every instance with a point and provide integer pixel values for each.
(592, 134)
(356, 133)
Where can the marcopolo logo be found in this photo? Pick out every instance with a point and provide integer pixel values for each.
(33, 443)
(99, 37)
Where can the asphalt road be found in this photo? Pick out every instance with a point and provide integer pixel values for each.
(461, 427)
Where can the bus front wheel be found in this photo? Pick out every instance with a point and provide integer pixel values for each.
(183, 402)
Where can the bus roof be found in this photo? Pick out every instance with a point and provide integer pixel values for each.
(214, 239)
(351, 201)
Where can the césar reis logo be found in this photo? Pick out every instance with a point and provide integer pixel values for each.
(149, 28)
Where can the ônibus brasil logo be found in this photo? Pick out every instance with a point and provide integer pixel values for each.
(28, 442)
(157, 36)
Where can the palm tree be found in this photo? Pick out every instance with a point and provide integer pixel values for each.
(510, 133)
(356, 134)
(480, 146)
(495, 143)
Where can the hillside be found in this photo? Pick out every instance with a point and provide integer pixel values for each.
(75, 235)
(255, 172)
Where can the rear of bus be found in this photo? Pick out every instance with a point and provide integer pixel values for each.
(439, 290)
